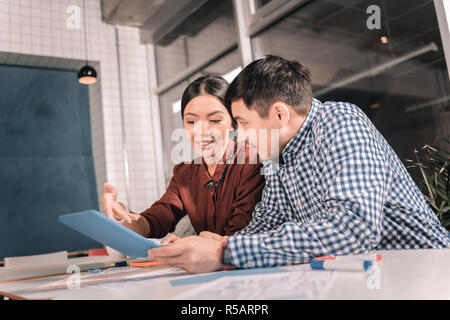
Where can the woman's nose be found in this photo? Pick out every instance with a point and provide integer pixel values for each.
(202, 128)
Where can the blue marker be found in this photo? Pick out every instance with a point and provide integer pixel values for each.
(341, 265)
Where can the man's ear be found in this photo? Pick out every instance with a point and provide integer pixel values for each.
(280, 112)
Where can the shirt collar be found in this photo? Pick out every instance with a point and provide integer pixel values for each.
(228, 156)
(294, 145)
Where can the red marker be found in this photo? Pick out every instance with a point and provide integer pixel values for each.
(366, 257)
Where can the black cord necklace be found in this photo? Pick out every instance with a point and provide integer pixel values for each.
(212, 184)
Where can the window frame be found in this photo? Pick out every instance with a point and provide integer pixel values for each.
(250, 21)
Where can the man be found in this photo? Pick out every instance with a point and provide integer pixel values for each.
(340, 188)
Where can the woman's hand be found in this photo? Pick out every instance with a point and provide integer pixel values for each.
(169, 239)
(113, 208)
(213, 236)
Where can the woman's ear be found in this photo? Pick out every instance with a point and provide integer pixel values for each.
(280, 112)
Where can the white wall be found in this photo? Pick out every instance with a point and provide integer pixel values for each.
(35, 33)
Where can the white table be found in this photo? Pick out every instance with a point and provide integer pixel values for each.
(408, 274)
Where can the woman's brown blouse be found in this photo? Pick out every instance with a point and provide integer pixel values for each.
(223, 210)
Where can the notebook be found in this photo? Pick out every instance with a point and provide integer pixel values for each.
(100, 228)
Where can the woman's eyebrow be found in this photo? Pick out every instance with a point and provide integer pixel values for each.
(190, 114)
(213, 113)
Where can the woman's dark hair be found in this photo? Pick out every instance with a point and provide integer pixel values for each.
(213, 85)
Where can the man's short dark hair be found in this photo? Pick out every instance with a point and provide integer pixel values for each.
(272, 79)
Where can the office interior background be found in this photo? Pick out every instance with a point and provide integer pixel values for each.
(62, 140)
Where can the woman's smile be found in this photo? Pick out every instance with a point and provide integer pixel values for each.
(205, 143)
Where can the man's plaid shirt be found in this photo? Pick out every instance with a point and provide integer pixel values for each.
(342, 190)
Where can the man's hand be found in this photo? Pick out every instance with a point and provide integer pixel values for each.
(194, 254)
(114, 209)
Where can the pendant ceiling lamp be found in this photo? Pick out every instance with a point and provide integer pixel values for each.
(87, 74)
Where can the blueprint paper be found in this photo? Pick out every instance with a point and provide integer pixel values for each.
(290, 285)
(216, 275)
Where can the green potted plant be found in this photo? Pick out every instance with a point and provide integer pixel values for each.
(433, 162)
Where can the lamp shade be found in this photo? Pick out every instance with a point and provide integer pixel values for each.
(87, 75)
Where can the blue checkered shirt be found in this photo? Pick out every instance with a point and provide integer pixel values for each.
(341, 190)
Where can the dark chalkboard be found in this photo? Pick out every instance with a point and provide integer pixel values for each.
(46, 164)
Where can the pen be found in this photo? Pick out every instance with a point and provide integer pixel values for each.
(369, 257)
(94, 270)
(121, 264)
(341, 265)
(144, 264)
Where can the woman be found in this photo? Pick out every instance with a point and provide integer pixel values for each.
(218, 197)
